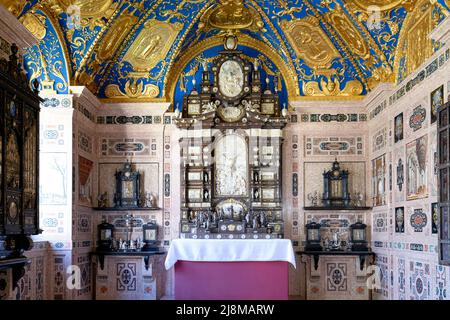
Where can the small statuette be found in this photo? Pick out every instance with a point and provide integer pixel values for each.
(103, 200)
(256, 64)
(314, 198)
(255, 222)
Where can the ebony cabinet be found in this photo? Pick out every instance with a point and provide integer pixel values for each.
(444, 176)
(19, 159)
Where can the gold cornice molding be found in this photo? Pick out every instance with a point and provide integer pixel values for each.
(289, 77)
(133, 100)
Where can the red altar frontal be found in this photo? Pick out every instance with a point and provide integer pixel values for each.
(231, 269)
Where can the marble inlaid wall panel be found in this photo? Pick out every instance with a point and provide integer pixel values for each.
(334, 146)
(408, 254)
(336, 278)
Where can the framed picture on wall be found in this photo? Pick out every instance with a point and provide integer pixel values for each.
(398, 128)
(400, 219)
(434, 218)
(437, 100)
(416, 172)
(448, 91)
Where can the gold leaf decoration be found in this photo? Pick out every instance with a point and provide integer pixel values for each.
(331, 87)
(310, 42)
(132, 90)
(152, 44)
(14, 6)
(231, 15)
(35, 24)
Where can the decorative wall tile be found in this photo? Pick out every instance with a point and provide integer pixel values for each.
(84, 142)
(52, 134)
(336, 277)
(417, 118)
(59, 282)
(418, 220)
(126, 277)
(379, 140)
(379, 223)
(326, 117)
(401, 279)
(84, 223)
(128, 120)
(441, 288)
(419, 281)
(125, 147)
(334, 146)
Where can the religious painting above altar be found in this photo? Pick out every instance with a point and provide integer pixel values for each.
(231, 151)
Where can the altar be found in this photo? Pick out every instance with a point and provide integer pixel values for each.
(231, 269)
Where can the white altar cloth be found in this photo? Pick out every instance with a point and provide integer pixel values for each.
(220, 250)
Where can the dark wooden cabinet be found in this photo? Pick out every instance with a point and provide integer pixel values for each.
(19, 159)
(444, 175)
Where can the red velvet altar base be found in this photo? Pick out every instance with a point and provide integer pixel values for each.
(247, 280)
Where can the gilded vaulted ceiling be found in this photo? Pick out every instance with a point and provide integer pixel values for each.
(142, 50)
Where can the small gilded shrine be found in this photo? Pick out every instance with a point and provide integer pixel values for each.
(231, 146)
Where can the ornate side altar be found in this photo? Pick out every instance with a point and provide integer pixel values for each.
(231, 152)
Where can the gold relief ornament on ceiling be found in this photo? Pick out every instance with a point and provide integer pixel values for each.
(35, 23)
(414, 45)
(310, 42)
(231, 15)
(133, 89)
(115, 35)
(14, 6)
(90, 12)
(348, 32)
(331, 87)
(152, 44)
(383, 5)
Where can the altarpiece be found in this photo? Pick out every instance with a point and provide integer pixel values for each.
(231, 152)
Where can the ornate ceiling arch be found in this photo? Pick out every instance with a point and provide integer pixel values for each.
(334, 49)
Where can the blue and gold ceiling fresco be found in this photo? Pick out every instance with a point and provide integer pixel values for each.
(150, 50)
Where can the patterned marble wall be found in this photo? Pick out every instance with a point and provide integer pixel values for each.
(314, 137)
(404, 233)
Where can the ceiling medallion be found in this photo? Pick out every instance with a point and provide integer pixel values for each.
(231, 15)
